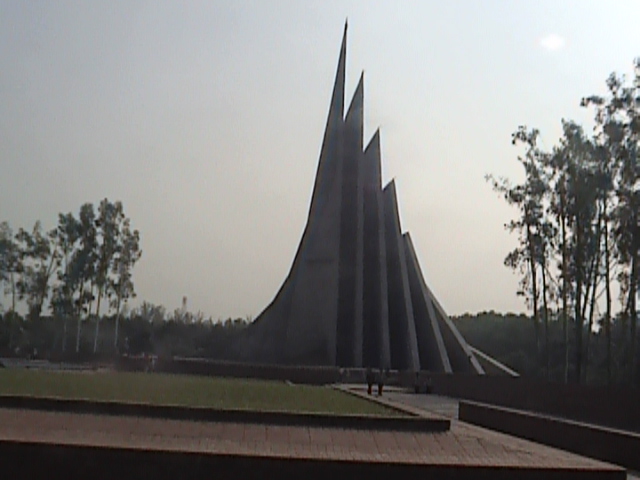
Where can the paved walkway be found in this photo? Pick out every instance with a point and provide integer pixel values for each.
(428, 404)
(464, 445)
(444, 406)
(439, 405)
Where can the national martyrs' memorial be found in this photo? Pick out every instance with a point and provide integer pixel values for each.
(355, 295)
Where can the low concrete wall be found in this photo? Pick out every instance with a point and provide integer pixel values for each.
(606, 444)
(612, 407)
(404, 423)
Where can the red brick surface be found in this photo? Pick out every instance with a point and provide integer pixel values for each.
(463, 445)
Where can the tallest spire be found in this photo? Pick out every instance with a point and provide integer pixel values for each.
(328, 164)
(336, 107)
(337, 97)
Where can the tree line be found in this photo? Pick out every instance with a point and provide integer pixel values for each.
(147, 329)
(578, 236)
(510, 338)
(75, 270)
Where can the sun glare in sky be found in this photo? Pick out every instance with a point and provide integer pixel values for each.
(552, 42)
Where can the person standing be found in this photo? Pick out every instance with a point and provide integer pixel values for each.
(370, 379)
(380, 381)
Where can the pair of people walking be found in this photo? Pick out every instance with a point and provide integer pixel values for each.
(372, 378)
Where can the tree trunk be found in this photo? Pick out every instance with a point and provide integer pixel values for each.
(13, 292)
(97, 332)
(95, 337)
(115, 336)
(565, 292)
(546, 323)
(578, 304)
(42, 294)
(78, 333)
(607, 280)
(91, 287)
(10, 325)
(79, 319)
(592, 307)
(534, 290)
(633, 313)
(594, 275)
(64, 333)
(100, 290)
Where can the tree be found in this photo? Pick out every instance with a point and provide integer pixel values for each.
(618, 128)
(66, 237)
(39, 262)
(558, 219)
(582, 185)
(82, 266)
(529, 256)
(151, 313)
(10, 264)
(559, 211)
(109, 224)
(127, 254)
(10, 271)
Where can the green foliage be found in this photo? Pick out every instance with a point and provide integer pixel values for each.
(10, 264)
(187, 391)
(510, 339)
(39, 260)
(147, 329)
(83, 260)
(579, 232)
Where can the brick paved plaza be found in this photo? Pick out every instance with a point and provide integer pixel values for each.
(463, 446)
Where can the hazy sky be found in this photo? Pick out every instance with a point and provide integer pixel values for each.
(206, 119)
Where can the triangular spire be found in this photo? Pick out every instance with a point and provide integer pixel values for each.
(336, 111)
(431, 347)
(374, 142)
(355, 114)
(402, 329)
(390, 186)
(372, 153)
(329, 161)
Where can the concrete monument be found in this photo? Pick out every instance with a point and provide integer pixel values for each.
(355, 295)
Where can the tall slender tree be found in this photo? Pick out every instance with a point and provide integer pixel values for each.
(528, 256)
(109, 224)
(618, 126)
(10, 263)
(66, 238)
(558, 210)
(127, 254)
(82, 268)
(39, 263)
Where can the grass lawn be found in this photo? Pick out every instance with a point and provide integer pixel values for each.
(185, 390)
